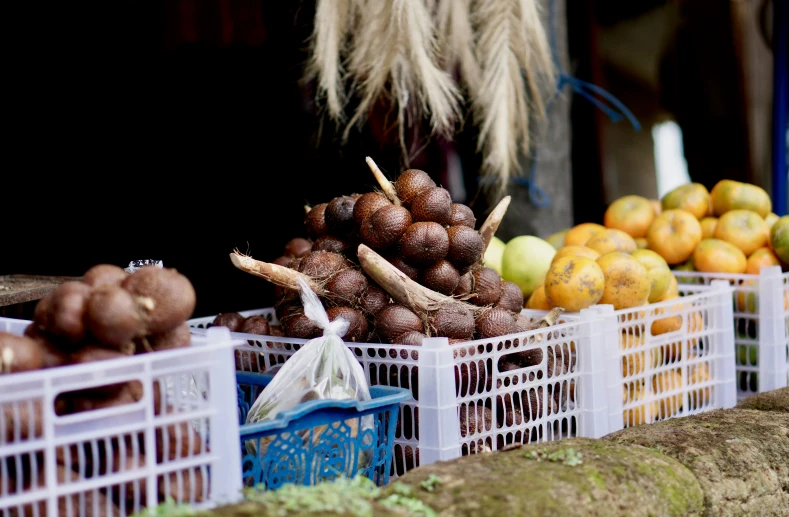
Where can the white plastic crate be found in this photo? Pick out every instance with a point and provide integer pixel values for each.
(14, 326)
(674, 358)
(453, 384)
(761, 325)
(76, 464)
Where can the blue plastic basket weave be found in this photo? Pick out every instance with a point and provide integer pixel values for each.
(294, 456)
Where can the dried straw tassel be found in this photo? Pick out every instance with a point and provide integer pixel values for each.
(515, 57)
(395, 46)
(329, 35)
(456, 39)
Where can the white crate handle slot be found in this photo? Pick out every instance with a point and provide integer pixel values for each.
(772, 343)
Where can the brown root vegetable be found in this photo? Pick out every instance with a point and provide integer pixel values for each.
(357, 323)
(178, 441)
(322, 265)
(347, 286)
(184, 486)
(394, 320)
(131, 492)
(411, 183)
(297, 247)
(373, 300)
(487, 287)
(465, 285)
(495, 322)
(315, 221)
(114, 317)
(331, 243)
(71, 504)
(434, 204)
(523, 323)
(452, 322)
(462, 215)
(104, 274)
(339, 215)
(511, 297)
(178, 337)
(298, 325)
(465, 246)
(66, 311)
(41, 312)
(410, 338)
(101, 397)
(441, 277)
(53, 356)
(283, 261)
(257, 325)
(400, 263)
(167, 296)
(367, 205)
(23, 421)
(19, 354)
(232, 320)
(424, 243)
(384, 228)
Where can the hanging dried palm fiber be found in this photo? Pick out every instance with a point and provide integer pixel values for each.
(409, 51)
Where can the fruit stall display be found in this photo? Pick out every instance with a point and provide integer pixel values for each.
(645, 246)
(106, 408)
(403, 265)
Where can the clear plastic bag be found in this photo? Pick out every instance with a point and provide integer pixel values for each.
(324, 368)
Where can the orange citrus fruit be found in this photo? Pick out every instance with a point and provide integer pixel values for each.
(626, 280)
(576, 251)
(538, 301)
(779, 239)
(743, 228)
(574, 283)
(717, 256)
(733, 195)
(656, 206)
(691, 197)
(708, 225)
(612, 240)
(674, 235)
(761, 258)
(631, 214)
(579, 234)
(641, 242)
(659, 274)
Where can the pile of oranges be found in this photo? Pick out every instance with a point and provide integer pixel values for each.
(627, 261)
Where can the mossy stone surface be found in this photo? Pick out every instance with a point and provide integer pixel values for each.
(776, 400)
(739, 456)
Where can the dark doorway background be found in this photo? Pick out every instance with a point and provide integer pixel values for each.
(140, 130)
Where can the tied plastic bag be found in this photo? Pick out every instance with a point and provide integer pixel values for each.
(324, 368)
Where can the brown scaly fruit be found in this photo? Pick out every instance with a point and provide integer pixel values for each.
(411, 183)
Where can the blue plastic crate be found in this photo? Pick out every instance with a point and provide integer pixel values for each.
(290, 458)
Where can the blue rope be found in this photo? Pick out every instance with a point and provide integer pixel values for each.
(537, 196)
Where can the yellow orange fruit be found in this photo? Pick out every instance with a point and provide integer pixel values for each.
(717, 256)
(557, 239)
(666, 354)
(761, 258)
(631, 214)
(743, 228)
(579, 234)
(670, 323)
(697, 374)
(779, 239)
(538, 301)
(708, 225)
(665, 382)
(576, 251)
(771, 219)
(633, 361)
(633, 393)
(674, 235)
(659, 273)
(656, 206)
(691, 197)
(574, 283)
(642, 243)
(626, 280)
(612, 240)
(673, 289)
(733, 195)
